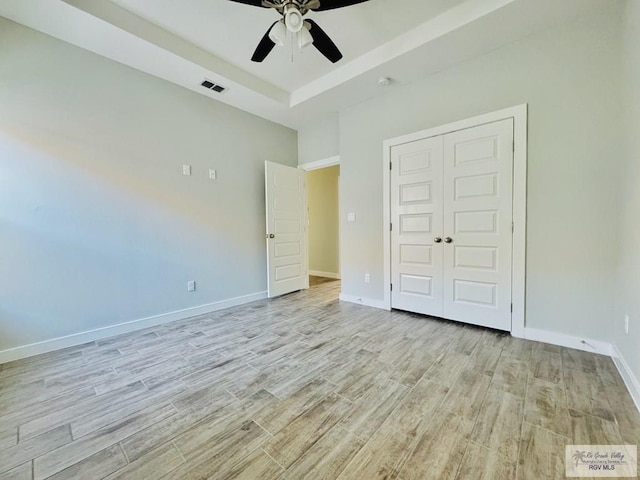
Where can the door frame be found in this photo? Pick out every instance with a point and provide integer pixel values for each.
(518, 279)
(308, 167)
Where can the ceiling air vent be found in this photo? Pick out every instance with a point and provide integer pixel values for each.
(208, 84)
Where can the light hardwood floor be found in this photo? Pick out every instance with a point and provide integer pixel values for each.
(307, 387)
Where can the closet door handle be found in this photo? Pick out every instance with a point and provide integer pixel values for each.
(437, 240)
(448, 240)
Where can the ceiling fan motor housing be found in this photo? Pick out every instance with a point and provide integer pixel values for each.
(293, 17)
(307, 32)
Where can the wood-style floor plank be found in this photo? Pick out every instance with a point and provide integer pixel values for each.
(327, 457)
(499, 423)
(218, 457)
(8, 437)
(293, 441)
(305, 387)
(546, 406)
(277, 415)
(65, 456)
(256, 465)
(541, 455)
(21, 472)
(97, 465)
(34, 447)
(440, 448)
(480, 463)
(154, 464)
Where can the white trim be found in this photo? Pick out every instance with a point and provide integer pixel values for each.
(457, 17)
(519, 115)
(45, 346)
(318, 273)
(630, 380)
(368, 302)
(305, 222)
(519, 253)
(569, 341)
(318, 164)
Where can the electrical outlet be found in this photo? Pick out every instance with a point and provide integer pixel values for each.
(191, 286)
(186, 169)
(626, 324)
(367, 278)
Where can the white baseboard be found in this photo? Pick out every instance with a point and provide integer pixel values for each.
(630, 380)
(569, 341)
(45, 346)
(364, 301)
(318, 273)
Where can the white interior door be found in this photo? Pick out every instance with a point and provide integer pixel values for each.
(478, 185)
(286, 204)
(416, 216)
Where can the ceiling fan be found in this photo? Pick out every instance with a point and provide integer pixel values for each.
(308, 31)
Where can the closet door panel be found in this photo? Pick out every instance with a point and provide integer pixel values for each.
(416, 216)
(477, 206)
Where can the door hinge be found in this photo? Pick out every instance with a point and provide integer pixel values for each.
(513, 227)
(391, 227)
(512, 308)
(391, 285)
(513, 146)
(390, 165)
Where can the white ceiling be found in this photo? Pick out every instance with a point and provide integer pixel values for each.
(185, 41)
(232, 31)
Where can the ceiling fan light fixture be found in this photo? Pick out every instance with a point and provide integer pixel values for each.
(293, 18)
(308, 32)
(304, 37)
(278, 34)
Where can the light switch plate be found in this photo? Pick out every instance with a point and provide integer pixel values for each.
(186, 169)
(351, 217)
(212, 174)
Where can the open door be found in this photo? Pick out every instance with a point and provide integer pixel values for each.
(286, 223)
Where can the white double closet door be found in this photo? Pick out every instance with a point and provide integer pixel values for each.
(451, 213)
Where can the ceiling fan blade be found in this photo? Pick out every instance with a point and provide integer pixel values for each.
(323, 43)
(264, 47)
(331, 4)
(255, 3)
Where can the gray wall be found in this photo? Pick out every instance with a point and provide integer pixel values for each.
(628, 235)
(570, 78)
(322, 202)
(97, 224)
(319, 139)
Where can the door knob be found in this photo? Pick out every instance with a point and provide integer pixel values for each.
(271, 235)
(448, 240)
(437, 240)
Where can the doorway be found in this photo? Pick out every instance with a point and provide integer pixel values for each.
(289, 230)
(323, 222)
(323, 225)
